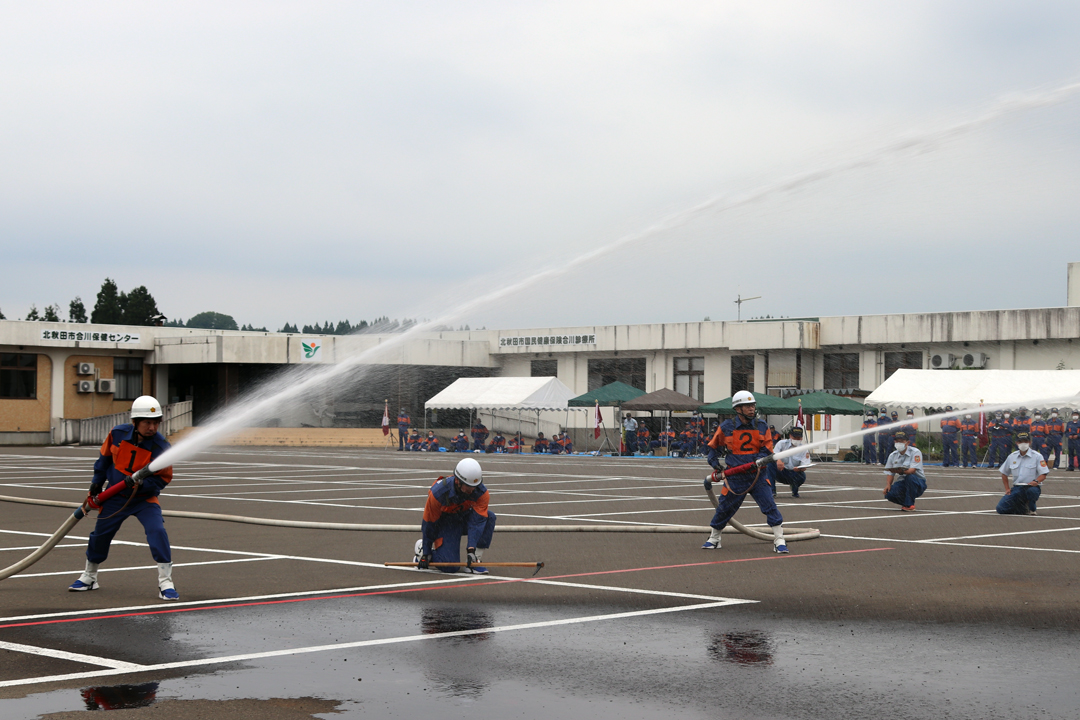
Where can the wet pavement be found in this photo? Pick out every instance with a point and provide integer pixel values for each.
(949, 612)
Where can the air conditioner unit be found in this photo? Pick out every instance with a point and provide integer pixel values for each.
(84, 386)
(84, 368)
(942, 361)
(106, 385)
(973, 360)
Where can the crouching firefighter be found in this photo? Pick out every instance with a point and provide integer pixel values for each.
(456, 506)
(127, 449)
(746, 439)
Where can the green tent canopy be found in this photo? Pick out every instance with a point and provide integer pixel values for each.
(766, 405)
(612, 395)
(825, 403)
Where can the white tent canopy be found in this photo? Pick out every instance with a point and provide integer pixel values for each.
(968, 388)
(507, 393)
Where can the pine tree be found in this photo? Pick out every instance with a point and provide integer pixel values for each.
(2, 316)
(289, 329)
(52, 313)
(77, 311)
(107, 309)
(33, 314)
(139, 306)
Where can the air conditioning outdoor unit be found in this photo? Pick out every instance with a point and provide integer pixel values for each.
(942, 361)
(106, 385)
(973, 360)
(84, 368)
(84, 386)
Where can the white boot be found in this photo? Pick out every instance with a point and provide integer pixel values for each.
(166, 589)
(88, 579)
(778, 543)
(713, 543)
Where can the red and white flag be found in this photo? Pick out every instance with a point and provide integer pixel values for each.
(799, 421)
(982, 420)
(386, 419)
(596, 423)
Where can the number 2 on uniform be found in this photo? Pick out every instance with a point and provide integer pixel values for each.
(747, 440)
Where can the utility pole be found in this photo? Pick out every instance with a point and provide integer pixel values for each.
(740, 300)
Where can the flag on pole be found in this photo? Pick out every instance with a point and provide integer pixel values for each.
(982, 420)
(386, 418)
(800, 422)
(596, 423)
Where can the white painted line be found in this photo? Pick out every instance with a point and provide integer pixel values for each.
(365, 643)
(146, 567)
(952, 544)
(74, 657)
(1005, 534)
(662, 593)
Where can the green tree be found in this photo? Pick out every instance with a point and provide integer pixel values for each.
(289, 329)
(138, 306)
(107, 309)
(77, 311)
(212, 321)
(2, 316)
(33, 314)
(52, 313)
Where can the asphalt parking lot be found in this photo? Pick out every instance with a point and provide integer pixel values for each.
(284, 622)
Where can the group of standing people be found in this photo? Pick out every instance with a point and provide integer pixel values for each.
(690, 442)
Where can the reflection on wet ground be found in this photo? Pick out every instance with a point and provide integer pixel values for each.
(742, 648)
(726, 662)
(120, 697)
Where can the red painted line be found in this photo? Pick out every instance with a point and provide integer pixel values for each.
(422, 589)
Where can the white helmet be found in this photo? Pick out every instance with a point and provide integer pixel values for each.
(468, 471)
(742, 398)
(145, 407)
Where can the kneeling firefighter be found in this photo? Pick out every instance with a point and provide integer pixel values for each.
(746, 440)
(456, 507)
(127, 449)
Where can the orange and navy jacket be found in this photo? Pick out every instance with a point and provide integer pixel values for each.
(123, 453)
(1055, 428)
(498, 441)
(403, 422)
(666, 437)
(1021, 424)
(743, 442)
(1039, 428)
(950, 426)
(1073, 431)
(643, 433)
(969, 428)
(867, 424)
(445, 502)
(479, 433)
(540, 445)
(565, 444)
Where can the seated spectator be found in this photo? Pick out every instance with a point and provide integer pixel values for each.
(413, 442)
(565, 443)
(644, 437)
(515, 444)
(460, 443)
(430, 443)
(497, 444)
(554, 446)
(664, 439)
(541, 444)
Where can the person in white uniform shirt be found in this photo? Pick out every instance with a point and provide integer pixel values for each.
(787, 470)
(1027, 469)
(904, 472)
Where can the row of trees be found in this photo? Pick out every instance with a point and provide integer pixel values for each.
(344, 327)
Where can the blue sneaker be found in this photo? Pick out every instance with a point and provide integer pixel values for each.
(80, 586)
(169, 594)
(710, 545)
(781, 548)
(478, 570)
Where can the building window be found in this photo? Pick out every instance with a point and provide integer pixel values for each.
(18, 376)
(742, 373)
(841, 371)
(545, 368)
(128, 373)
(625, 370)
(902, 360)
(690, 377)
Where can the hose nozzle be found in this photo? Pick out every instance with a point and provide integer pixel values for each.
(140, 475)
(762, 462)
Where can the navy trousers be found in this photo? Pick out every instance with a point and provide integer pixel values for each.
(1020, 499)
(732, 495)
(147, 513)
(969, 450)
(451, 529)
(905, 489)
(949, 455)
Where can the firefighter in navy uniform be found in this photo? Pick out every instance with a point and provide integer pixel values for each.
(1039, 432)
(869, 446)
(479, 435)
(969, 440)
(126, 450)
(950, 428)
(884, 438)
(911, 429)
(1072, 432)
(1055, 431)
(456, 507)
(403, 423)
(1000, 439)
(744, 439)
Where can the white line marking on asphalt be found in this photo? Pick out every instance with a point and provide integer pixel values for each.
(74, 657)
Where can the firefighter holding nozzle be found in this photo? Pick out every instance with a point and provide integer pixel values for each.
(746, 439)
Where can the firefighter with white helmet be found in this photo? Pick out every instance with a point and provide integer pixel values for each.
(127, 449)
(457, 506)
(744, 439)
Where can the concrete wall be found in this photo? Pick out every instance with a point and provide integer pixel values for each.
(1073, 294)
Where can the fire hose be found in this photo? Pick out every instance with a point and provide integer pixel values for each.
(758, 465)
(82, 509)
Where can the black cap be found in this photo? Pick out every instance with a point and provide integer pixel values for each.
(1023, 437)
(796, 432)
(900, 435)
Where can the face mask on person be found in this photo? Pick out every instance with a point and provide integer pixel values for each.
(1038, 417)
(1007, 416)
(900, 446)
(1053, 415)
(1023, 447)
(796, 443)
(1075, 418)
(968, 416)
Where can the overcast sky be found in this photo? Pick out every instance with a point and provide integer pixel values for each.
(302, 162)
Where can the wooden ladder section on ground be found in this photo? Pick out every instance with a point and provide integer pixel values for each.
(299, 437)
